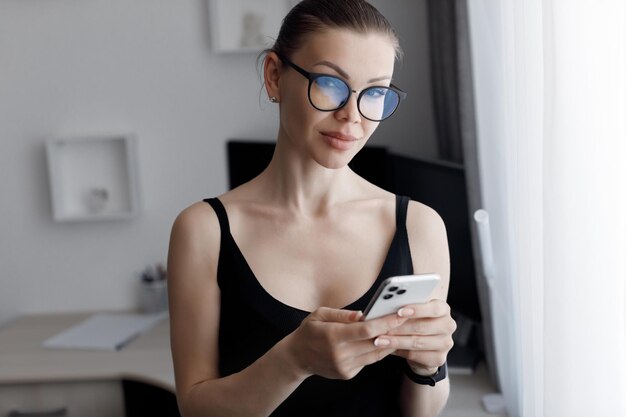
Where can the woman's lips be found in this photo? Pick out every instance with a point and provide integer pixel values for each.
(340, 141)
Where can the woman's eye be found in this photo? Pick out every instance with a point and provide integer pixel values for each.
(376, 92)
(329, 82)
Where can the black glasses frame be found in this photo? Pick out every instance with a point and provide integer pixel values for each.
(312, 76)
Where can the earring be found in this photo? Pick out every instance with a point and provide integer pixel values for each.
(274, 99)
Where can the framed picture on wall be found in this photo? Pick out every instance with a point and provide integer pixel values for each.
(246, 25)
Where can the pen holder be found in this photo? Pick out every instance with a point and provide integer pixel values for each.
(153, 296)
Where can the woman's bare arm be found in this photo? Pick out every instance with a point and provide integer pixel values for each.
(194, 314)
(426, 337)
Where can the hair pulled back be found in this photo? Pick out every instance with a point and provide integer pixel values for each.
(310, 16)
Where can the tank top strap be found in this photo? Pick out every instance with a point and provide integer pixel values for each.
(402, 252)
(402, 204)
(220, 211)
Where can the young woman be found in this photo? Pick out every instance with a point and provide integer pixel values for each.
(268, 281)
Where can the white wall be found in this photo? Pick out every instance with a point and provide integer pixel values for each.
(71, 67)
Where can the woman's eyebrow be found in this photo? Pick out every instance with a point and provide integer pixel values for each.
(345, 74)
(384, 77)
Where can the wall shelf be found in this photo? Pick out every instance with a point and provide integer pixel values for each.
(93, 178)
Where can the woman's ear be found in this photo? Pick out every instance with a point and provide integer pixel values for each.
(271, 74)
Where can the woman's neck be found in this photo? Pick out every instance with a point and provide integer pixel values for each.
(301, 184)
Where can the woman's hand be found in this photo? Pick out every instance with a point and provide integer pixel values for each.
(337, 344)
(425, 338)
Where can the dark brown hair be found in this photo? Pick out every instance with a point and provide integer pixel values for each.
(310, 16)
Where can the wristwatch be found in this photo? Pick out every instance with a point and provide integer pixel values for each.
(431, 380)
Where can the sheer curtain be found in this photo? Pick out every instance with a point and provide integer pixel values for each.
(550, 108)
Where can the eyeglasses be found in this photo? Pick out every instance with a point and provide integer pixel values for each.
(330, 93)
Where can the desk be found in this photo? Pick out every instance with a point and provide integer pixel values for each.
(25, 363)
(146, 359)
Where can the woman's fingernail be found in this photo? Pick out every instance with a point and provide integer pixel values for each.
(406, 312)
(381, 342)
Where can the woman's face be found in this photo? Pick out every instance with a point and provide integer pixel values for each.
(332, 138)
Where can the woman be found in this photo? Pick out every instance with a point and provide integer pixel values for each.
(267, 281)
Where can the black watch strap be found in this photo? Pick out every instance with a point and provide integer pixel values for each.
(431, 380)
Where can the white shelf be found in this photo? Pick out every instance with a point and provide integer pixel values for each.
(93, 178)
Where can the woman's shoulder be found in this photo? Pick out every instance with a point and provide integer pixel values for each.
(197, 213)
(428, 240)
(201, 217)
(196, 225)
(203, 212)
(423, 220)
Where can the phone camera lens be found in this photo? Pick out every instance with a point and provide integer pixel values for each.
(387, 296)
(393, 289)
(400, 292)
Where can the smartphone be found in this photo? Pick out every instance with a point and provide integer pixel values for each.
(397, 292)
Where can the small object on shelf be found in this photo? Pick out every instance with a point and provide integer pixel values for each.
(248, 26)
(93, 177)
(96, 199)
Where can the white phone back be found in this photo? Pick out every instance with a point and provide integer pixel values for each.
(397, 292)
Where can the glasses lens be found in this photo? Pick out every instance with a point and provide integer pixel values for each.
(378, 103)
(328, 93)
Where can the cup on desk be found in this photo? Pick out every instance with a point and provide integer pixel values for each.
(153, 291)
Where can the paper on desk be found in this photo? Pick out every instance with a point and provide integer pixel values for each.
(104, 331)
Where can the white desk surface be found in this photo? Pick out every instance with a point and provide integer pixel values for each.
(23, 359)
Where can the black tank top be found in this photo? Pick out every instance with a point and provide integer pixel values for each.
(252, 321)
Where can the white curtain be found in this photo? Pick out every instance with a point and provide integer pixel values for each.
(550, 101)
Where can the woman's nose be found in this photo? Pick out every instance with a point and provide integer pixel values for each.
(350, 112)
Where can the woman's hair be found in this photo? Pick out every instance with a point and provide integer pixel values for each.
(310, 16)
